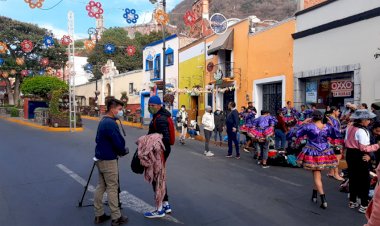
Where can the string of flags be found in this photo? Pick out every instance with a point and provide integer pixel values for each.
(203, 90)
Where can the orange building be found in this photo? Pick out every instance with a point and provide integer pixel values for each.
(270, 67)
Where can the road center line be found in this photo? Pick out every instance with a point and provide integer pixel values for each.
(127, 199)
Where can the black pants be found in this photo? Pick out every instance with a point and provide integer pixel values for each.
(166, 197)
(358, 174)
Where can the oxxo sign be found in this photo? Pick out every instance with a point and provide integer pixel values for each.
(342, 88)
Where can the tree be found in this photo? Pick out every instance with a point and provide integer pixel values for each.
(119, 38)
(13, 33)
(42, 85)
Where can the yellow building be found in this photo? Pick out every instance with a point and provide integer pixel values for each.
(191, 77)
(270, 67)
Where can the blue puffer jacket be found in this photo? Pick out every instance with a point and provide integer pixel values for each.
(109, 142)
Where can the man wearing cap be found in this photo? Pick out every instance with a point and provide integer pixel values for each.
(160, 124)
(357, 142)
(208, 126)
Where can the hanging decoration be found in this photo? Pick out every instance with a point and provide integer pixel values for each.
(24, 73)
(88, 67)
(89, 45)
(3, 48)
(41, 72)
(44, 62)
(34, 3)
(109, 48)
(131, 16)
(199, 90)
(5, 74)
(27, 46)
(66, 40)
(20, 61)
(94, 9)
(189, 18)
(30, 72)
(48, 41)
(13, 72)
(50, 71)
(161, 17)
(13, 46)
(2, 61)
(131, 50)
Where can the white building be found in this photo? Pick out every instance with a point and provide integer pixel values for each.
(334, 47)
(153, 65)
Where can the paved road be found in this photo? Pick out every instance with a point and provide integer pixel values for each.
(41, 171)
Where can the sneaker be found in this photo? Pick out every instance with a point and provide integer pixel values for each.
(122, 220)
(209, 154)
(265, 166)
(102, 219)
(363, 209)
(258, 162)
(167, 208)
(155, 214)
(246, 150)
(353, 205)
(205, 152)
(228, 156)
(237, 157)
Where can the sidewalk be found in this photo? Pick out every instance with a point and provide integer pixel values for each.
(29, 123)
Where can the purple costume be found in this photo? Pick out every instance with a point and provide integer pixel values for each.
(317, 154)
(290, 116)
(337, 142)
(263, 127)
(302, 116)
(248, 117)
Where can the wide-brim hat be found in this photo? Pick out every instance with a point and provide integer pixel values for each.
(362, 114)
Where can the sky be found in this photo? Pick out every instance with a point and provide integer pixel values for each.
(55, 19)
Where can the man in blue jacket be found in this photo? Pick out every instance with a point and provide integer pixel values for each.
(232, 124)
(160, 124)
(110, 144)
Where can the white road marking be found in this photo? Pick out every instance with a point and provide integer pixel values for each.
(127, 199)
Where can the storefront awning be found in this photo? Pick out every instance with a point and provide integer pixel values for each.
(223, 42)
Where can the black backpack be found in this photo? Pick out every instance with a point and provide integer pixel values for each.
(136, 166)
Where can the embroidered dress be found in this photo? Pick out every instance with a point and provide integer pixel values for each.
(336, 143)
(303, 115)
(317, 154)
(263, 127)
(290, 116)
(248, 117)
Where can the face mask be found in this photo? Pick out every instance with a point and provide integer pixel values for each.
(119, 114)
(183, 109)
(218, 112)
(152, 110)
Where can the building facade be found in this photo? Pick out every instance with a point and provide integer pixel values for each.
(270, 67)
(334, 47)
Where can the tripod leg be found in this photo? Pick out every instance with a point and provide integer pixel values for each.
(86, 187)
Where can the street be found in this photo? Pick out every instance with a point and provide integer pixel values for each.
(42, 177)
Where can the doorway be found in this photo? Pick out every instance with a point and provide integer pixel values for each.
(272, 97)
(228, 96)
(194, 107)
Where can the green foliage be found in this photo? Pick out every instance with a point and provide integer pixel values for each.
(124, 95)
(123, 62)
(14, 112)
(54, 102)
(42, 85)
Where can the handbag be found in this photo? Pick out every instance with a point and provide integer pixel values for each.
(136, 166)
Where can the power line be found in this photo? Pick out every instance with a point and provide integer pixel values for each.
(52, 7)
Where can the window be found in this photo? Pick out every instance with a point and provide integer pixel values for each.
(130, 88)
(157, 67)
(169, 55)
(149, 63)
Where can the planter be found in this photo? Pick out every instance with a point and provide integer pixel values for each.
(63, 121)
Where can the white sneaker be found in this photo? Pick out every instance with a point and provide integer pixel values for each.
(209, 154)
(205, 153)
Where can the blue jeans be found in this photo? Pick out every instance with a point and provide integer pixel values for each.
(263, 149)
(192, 133)
(216, 133)
(232, 137)
(280, 138)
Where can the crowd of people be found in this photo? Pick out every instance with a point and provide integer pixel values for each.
(319, 140)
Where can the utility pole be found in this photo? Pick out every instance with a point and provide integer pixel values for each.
(71, 68)
(164, 52)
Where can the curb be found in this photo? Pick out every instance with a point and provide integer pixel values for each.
(44, 128)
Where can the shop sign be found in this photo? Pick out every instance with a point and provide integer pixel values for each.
(311, 92)
(342, 88)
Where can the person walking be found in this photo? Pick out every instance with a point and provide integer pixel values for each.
(232, 124)
(219, 121)
(357, 143)
(110, 145)
(336, 144)
(208, 126)
(317, 155)
(280, 132)
(182, 118)
(160, 124)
